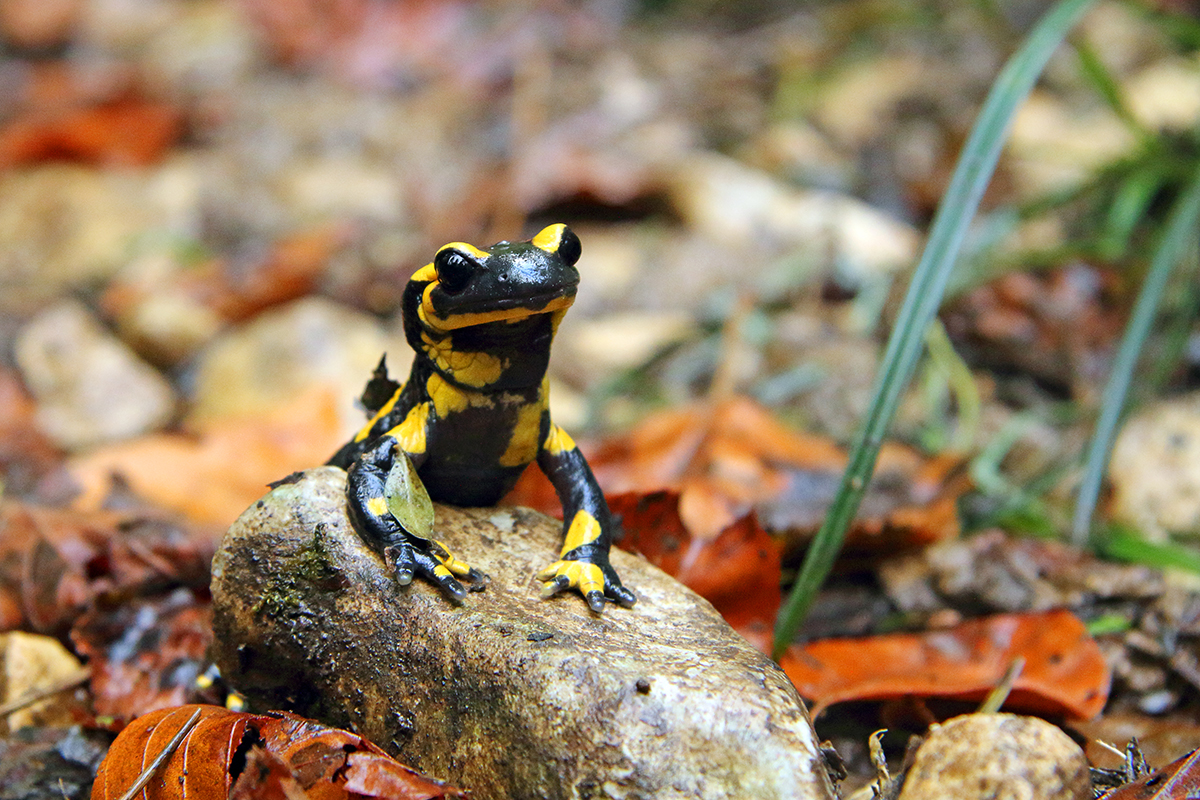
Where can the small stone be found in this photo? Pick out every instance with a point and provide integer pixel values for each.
(90, 388)
(735, 204)
(997, 757)
(663, 700)
(284, 352)
(65, 226)
(1155, 468)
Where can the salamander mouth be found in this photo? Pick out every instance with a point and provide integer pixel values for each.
(497, 309)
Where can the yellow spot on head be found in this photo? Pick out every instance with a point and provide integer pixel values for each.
(549, 238)
(584, 529)
(425, 274)
(558, 441)
(377, 506)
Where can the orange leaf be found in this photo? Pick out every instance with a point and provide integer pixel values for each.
(199, 768)
(738, 572)
(323, 763)
(729, 458)
(126, 131)
(215, 476)
(1065, 672)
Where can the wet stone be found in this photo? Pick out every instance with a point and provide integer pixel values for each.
(507, 694)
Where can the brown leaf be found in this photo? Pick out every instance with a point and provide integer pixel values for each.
(1179, 780)
(729, 458)
(30, 464)
(54, 562)
(237, 291)
(266, 776)
(95, 119)
(1059, 325)
(738, 571)
(1064, 673)
(324, 763)
(145, 654)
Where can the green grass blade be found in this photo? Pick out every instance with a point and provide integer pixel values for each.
(971, 176)
(1177, 236)
(1126, 545)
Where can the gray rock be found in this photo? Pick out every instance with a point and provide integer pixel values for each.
(508, 694)
(90, 388)
(997, 757)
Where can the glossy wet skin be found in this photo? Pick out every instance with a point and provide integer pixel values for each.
(474, 412)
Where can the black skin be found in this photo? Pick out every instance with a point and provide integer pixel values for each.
(474, 413)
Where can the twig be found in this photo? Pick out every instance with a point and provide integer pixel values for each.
(996, 697)
(31, 696)
(162, 757)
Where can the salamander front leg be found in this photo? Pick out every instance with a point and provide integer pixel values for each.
(408, 552)
(588, 528)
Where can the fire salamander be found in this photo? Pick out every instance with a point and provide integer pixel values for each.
(474, 413)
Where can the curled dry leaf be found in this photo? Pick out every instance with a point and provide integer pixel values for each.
(217, 754)
(1065, 672)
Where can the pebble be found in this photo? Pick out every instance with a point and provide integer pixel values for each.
(998, 757)
(256, 368)
(90, 387)
(1155, 468)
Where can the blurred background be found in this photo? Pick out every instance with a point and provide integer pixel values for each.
(209, 209)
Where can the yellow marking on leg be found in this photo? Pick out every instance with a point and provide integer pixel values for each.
(377, 506)
(558, 441)
(440, 571)
(579, 574)
(410, 434)
(523, 444)
(463, 247)
(380, 414)
(549, 238)
(426, 274)
(584, 529)
(452, 562)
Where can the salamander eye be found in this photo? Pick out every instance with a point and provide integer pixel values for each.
(454, 270)
(569, 247)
